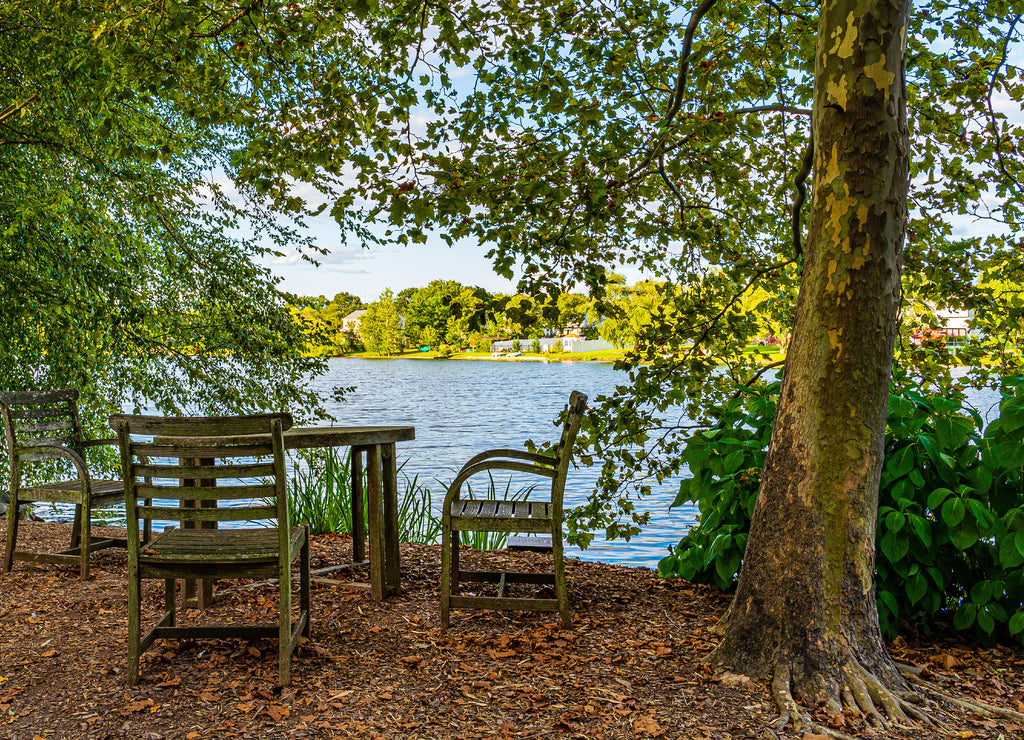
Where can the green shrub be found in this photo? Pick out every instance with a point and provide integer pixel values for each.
(950, 535)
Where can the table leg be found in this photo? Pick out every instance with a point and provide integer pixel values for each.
(358, 515)
(373, 486)
(392, 576)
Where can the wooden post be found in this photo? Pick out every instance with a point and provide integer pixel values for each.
(358, 515)
(391, 555)
(373, 484)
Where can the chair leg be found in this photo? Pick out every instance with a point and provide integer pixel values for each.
(84, 540)
(456, 541)
(76, 527)
(446, 576)
(284, 626)
(171, 599)
(12, 533)
(304, 599)
(561, 592)
(134, 624)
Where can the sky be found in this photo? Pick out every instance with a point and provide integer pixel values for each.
(351, 268)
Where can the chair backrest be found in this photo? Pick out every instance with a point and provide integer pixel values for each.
(573, 419)
(33, 418)
(188, 464)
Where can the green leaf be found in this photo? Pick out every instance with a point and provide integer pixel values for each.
(733, 461)
(916, 588)
(1009, 555)
(1017, 622)
(895, 546)
(936, 497)
(981, 592)
(953, 511)
(901, 463)
(964, 616)
(985, 621)
(964, 536)
(923, 529)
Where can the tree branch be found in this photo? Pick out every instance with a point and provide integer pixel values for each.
(228, 23)
(14, 108)
(988, 101)
(801, 196)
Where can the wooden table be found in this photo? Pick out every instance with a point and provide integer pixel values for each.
(375, 444)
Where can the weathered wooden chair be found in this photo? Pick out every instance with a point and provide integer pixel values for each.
(194, 463)
(44, 426)
(545, 517)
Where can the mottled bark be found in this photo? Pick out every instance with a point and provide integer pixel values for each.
(805, 601)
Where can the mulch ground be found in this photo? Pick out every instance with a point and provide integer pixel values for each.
(630, 667)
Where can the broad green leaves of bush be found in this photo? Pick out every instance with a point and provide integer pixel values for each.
(950, 537)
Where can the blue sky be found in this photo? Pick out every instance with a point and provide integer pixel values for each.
(366, 273)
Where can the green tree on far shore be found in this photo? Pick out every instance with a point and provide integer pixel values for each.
(381, 326)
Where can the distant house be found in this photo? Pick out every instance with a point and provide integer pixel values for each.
(955, 323)
(954, 327)
(350, 324)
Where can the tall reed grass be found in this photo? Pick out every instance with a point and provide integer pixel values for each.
(320, 495)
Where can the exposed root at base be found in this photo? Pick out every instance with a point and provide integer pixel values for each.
(793, 713)
(863, 692)
(936, 693)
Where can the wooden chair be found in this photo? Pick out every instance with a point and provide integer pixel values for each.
(197, 462)
(44, 426)
(462, 515)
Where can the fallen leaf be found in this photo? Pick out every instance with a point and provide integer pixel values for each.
(733, 679)
(646, 725)
(138, 706)
(48, 654)
(277, 712)
(176, 681)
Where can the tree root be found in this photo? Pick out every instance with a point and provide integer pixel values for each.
(862, 692)
(913, 674)
(793, 713)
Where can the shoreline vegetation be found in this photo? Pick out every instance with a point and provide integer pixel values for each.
(771, 354)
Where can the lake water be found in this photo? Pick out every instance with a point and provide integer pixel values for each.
(460, 408)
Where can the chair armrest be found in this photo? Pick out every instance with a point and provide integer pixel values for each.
(514, 454)
(98, 442)
(479, 467)
(58, 451)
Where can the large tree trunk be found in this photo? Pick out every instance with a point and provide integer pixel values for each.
(805, 604)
